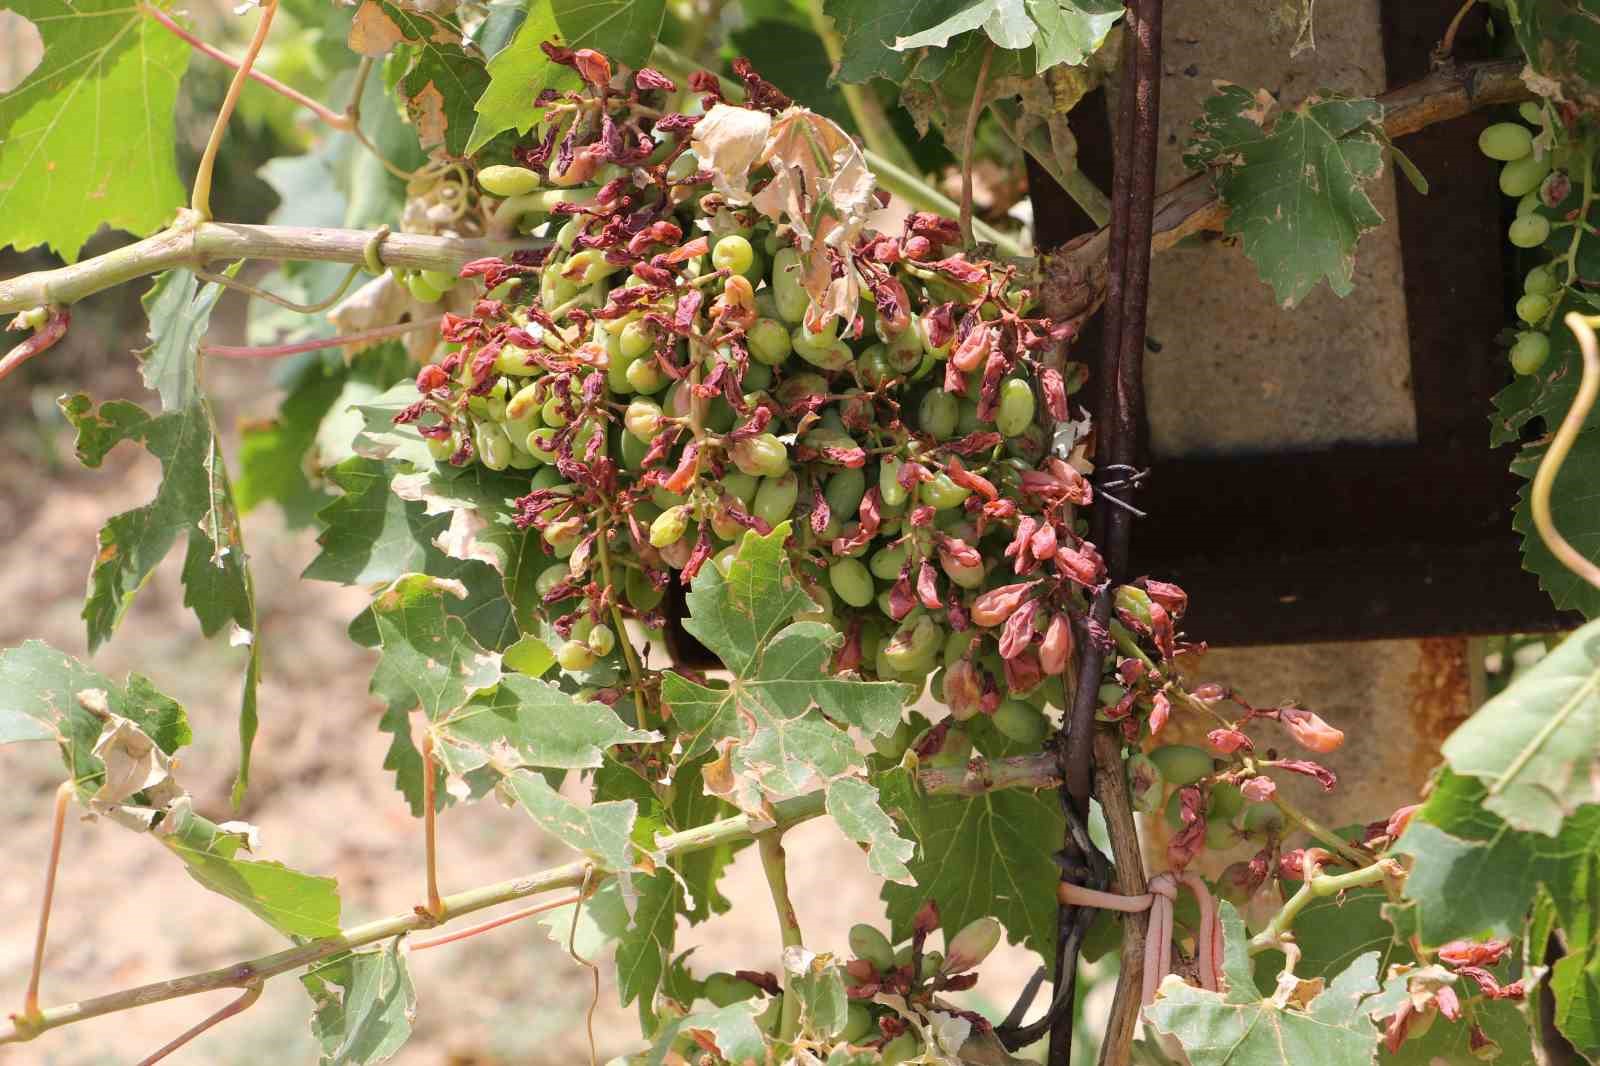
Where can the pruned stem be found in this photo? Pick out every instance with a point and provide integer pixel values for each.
(774, 866)
(251, 993)
(328, 116)
(278, 351)
(43, 339)
(430, 836)
(30, 998)
(200, 199)
(1316, 886)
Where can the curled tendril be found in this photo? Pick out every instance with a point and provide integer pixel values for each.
(1544, 479)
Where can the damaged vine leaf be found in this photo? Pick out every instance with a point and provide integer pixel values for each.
(977, 856)
(1241, 1028)
(1456, 840)
(778, 724)
(1059, 31)
(1295, 184)
(103, 152)
(1536, 746)
(194, 497)
(853, 805)
(601, 830)
(731, 1030)
(1573, 511)
(625, 29)
(364, 1004)
(40, 699)
(439, 80)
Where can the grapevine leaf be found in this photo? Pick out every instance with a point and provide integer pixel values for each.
(1572, 509)
(479, 504)
(295, 904)
(441, 81)
(819, 984)
(1006, 23)
(526, 722)
(364, 1005)
(1064, 31)
(380, 438)
(643, 952)
(769, 719)
(87, 139)
(732, 1030)
(1536, 746)
(1294, 186)
(180, 313)
(39, 689)
(602, 831)
(701, 870)
(1575, 983)
(853, 804)
(1332, 931)
(429, 659)
(868, 30)
(626, 30)
(603, 922)
(1562, 43)
(977, 856)
(1241, 1028)
(1502, 1021)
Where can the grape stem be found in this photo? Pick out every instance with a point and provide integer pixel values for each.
(1583, 213)
(629, 654)
(774, 866)
(30, 998)
(277, 351)
(1319, 885)
(494, 923)
(430, 836)
(1447, 43)
(200, 197)
(43, 339)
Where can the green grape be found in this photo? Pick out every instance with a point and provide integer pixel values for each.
(566, 237)
(904, 350)
(1220, 835)
(646, 377)
(643, 419)
(768, 341)
(886, 562)
(969, 422)
(867, 942)
(938, 413)
(1505, 141)
(1520, 177)
(551, 414)
(633, 450)
(636, 338)
(442, 448)
(1541, 281)
(664, 499)
(1173, 812)
(890, 490)
(601, 640)
(1528, 204)
(1531, 113)
(790, 295)
(733, 253)
(1016, 407)
(514, 360)
(524, 405)
(1020, 722)
(574, 655)
(775, 498)
(643, 595)
(550, 577)
(587, 267)
(1259, 817)
(682, 167)
(1226, 800)
(942, 493)
(442, 280)
(915, 646)
(872, 367)
(493, 446)
(822, 350)
(1529, 352)
(1181, 764)
(757, 378)
(740, 486)
(505, 181)
(844, 491)
(1532, 308)
(421, 291)
(669, 526)
(724, 989)
(851, 581)
(1529, 231)
(521, 460)
(859, 1023)
(763, 455)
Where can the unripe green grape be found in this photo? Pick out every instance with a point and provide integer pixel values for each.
(787, 291)
(844, 491)
(646, 377)
(641, 593)
(768, 341)
(1173, 812)
(1505, 141)
(763, 455)
(574, 655)
(492, 444)
(643, 419)
(632, 449)
(890, 490)
(442, 280)
(1529, 231)
(683, 166)
(524, 405)
(1220, 835)
(521, 460)
(1532, 308)
(915, 646)
(1181, 764)
(601, 640)
(1226, 800)
(1520, 177)
(904, 351)
(1530, 351)
(507, 181)
(567, 235)
(872, 367)
(1016, 407)
(550, 577)
(851, 581)
(938, 413)
(636, 338)
(867, 942)
(967, 577)
(442, 448)
(901, 1049)
(593, 266)
(833, 357)
(733, 253)
(1531, 113)
(858, 1023)
(514, 360)
(551, 413)
(421, 291)
(887, 562)
(1528, 204)
(1020, 722)
(563, 536)
(969, 421)
(740, 486)
(724, 989)
(664, 499)
(669, 526)
(1259, 817)
(1541, 281)
(775, 498)
(942, 493)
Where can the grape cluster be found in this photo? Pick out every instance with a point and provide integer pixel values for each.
(667, 378)
(1548, 177)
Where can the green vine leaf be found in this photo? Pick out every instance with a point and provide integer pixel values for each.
(1240, 1028)
(1536, 746)
(39, 700)
(732, 1031)
(364, 1004)
(774, 722)
(977, 856)
(819, 983)
(601, 830)
(868, 31)
(1332, 931)
(645, 950)
(1572, 508)
(526, 722)
(88, 139)
(429, 660)
(440, 81)
(1294, 186)
(1063, 31)
(626, 30)
(853, 804)
(293, 903)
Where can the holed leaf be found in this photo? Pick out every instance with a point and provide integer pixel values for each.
(600, 830)
(364, 1003)
(853, 805)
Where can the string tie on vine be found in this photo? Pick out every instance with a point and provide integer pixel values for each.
(1158, 943)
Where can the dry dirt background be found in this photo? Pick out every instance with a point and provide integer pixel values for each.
(125, 912)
